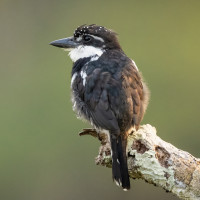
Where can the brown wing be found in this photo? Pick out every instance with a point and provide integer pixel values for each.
(137, 92)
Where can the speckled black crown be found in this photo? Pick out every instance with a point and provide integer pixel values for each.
(109, 36)
(91, 29)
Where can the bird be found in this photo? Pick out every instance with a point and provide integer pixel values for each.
(108, 90)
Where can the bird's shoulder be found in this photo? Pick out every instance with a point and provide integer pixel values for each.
(113, 72)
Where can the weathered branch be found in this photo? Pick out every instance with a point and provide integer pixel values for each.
(156, 161)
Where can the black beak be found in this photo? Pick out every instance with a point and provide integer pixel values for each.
(66, 43)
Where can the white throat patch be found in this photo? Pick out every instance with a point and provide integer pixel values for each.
(84, 52)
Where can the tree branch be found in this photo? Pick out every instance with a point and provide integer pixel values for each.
(156, 161)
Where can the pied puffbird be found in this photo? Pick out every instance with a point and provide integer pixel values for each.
(107, 89)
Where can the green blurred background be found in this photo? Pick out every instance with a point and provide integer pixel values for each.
(41, 155)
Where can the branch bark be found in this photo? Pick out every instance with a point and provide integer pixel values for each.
(156, 161)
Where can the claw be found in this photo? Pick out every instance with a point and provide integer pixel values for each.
(89, 131)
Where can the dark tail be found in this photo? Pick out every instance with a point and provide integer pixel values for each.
(119, 162)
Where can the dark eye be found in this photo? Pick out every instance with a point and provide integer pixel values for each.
(87, 38)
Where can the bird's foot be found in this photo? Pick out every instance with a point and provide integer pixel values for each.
(89, 131)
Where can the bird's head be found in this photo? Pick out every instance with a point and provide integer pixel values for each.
(88, 41)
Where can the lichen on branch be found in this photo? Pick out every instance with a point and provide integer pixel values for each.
(156, 161)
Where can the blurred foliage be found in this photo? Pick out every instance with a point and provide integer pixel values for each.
(41, 154)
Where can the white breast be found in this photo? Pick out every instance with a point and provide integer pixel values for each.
(84, 52)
